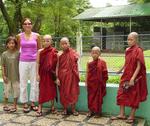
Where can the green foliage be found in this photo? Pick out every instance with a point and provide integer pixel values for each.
(114, 79)
(59, 14)
(52, 16)
(138, 1)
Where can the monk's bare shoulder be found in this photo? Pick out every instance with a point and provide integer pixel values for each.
(140, 49)
(127, 48)
(90, 60)
(102, 59)
(75, 51)
(40, 50)
(60, 53)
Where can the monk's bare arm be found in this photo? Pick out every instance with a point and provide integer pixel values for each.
(135, 73)
(121, 69)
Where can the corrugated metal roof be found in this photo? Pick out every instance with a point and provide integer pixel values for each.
(132, 10)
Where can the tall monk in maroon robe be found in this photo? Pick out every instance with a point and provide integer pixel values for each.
(135, 75)
(69, 76)
(97, 76)
(47, 71)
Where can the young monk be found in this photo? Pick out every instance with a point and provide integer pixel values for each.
(46, 70)
(133, 87)
(96, 78)
(68, 76)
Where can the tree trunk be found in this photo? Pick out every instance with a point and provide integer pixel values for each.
(15, 23)
(7, 18)
(37, 24)
(17, 16)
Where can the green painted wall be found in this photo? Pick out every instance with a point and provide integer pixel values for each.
(109, 104)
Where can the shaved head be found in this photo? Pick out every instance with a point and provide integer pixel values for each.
(47, 37)
(64, 43)
(96, 48)
(95, 52)
(134, 35)
(64, 39)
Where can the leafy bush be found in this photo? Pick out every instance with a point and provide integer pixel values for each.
(111, 79)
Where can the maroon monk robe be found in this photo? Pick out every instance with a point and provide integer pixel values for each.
(97, 76)
(69, 77)
(47, 87)
(137, 93)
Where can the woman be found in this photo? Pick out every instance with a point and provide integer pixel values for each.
(28, 43)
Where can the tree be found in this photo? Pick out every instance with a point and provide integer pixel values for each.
(11, 22)
(138, 1)
(142, 23)
(49, 16)
(60, 14)
(13, 18)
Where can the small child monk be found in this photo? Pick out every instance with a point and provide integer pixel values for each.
(96, 78)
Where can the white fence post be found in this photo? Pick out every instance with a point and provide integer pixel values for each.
(79, 46)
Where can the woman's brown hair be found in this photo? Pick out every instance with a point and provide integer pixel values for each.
(25, 20)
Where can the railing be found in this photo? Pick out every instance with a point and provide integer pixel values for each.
(112, 46)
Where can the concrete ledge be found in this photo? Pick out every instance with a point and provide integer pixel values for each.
(109, 103)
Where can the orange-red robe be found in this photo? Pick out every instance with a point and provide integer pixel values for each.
(69, 77)
(137, 93)
(97, 76)
(47, 68)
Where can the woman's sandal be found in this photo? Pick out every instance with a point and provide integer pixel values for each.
(118, 118)
(6, 108)
(26, 109)
(39, 114)
(130, 121)
(33, 107)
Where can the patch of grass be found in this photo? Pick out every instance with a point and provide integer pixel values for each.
(147, 53)
(114, 63)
